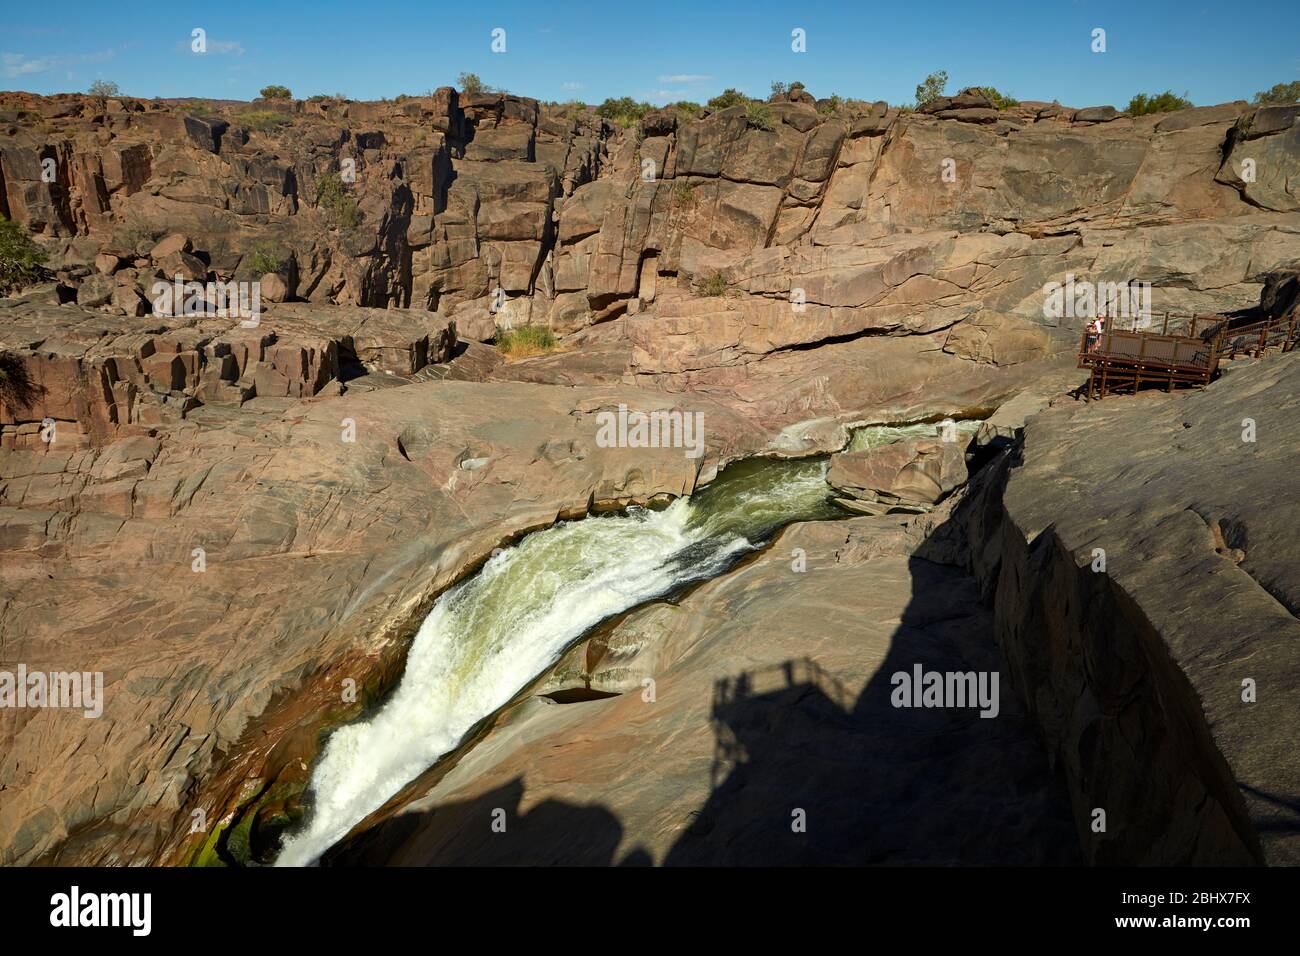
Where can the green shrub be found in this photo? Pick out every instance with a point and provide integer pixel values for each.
(21, 260)
(275, 92)
(572, 109)
(470, 84)
(1281, 93)
(524, 341)
(727, 98)
(714, 285)
(831, 105)
(1165, 102)
(104, 88)
(685, 109)
(781, 89)
(265, 121)
(759, 115)
(684, 192)
(198, 108)
(931, 88)
(623, 110)
(1000, 101)
(332, 196)
(263, 258)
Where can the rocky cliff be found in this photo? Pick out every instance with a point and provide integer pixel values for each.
(359, 448)
(1140, 560)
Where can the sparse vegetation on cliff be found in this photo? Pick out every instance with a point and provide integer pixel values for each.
(759, 115)
(1165, 102)
(264, 121)
(1000, 100)
(931, 88)
(333, 197)
(831, 105)
(524, 341)
(21, 260)
(714, 284)
(623, 110)
(728, 98)
(1279, 93)
(264, 258)
(276, 92)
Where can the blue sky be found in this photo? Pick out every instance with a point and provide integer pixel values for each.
(658, 51)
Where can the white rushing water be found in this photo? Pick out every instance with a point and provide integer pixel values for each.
(490, 635)
(872, 436)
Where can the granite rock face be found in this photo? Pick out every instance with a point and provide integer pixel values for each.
(231, 573)
(358, 447)
(1142, 565)
(904, 476)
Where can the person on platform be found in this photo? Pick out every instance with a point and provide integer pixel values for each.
(1093, 334)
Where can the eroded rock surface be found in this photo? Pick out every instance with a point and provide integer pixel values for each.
(742, 733)
(847, 265)
(1142, 563)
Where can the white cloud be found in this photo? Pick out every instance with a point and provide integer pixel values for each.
(685, 78)
(570, 86)
(20, 64)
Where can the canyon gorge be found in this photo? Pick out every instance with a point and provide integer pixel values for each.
(361, 583)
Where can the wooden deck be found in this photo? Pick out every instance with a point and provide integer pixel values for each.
(1185, 352)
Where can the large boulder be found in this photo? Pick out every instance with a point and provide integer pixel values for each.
(906, 476)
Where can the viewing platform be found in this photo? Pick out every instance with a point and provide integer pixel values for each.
(1186, 351)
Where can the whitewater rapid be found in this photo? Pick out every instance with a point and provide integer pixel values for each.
(489, 636)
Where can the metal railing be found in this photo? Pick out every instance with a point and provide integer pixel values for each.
(1186, 350)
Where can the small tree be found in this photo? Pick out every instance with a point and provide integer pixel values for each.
(1165, 102)
(21, 259)
(276, 92)
(470, 84)
(779, 88)
(933, 87)
(728, 97)
(1281, 93)
(101, 90)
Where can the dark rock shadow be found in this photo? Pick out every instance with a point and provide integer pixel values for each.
(17, 390)
(878, 783)
(490, 830)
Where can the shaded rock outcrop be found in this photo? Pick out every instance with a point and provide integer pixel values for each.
(1141, 564)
